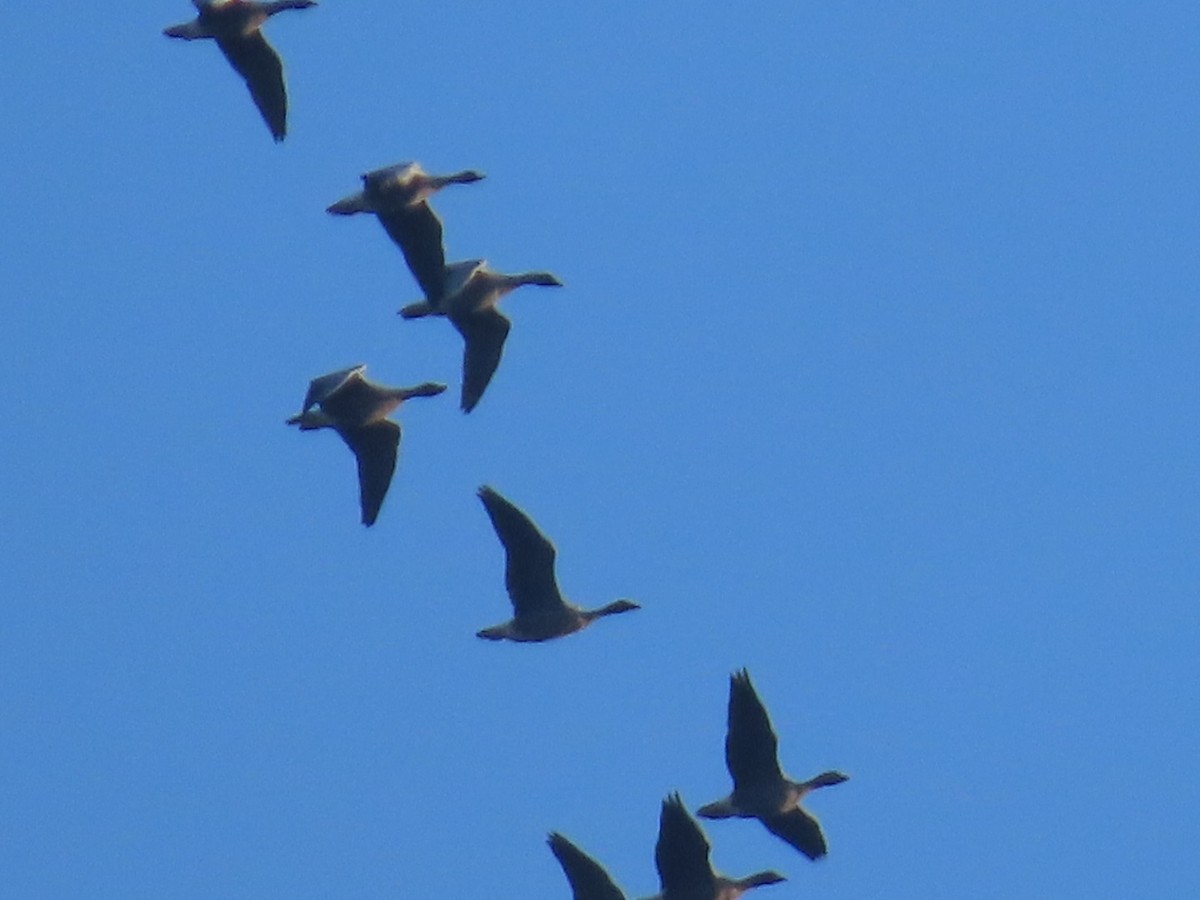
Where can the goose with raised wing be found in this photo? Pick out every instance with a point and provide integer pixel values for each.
(357, 410)
(469, 300)
(588, 879)
(685, 870)
(760, 789)
(399, 197)
(236, 26)
(539, 611)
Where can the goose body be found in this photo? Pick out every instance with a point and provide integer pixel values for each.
(760, 789)
(470, 297)
(588, 879)
(357, 410)
(398, 196)
(685, 870)
(236, 26)
(539, 611)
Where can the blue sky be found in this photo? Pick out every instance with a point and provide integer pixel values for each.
(874, 372)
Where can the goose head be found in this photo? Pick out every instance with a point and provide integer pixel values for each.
(544, 279)
(758, 879)
(617, 606)
(428, 389)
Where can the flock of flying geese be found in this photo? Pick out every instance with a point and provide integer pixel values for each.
(467, 293)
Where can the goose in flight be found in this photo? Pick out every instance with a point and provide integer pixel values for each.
(469, 300)
(760, 789)
(398, 195)
(236, 26)
(539, 611)
(684, 868)
(588, 879)
(357, 410)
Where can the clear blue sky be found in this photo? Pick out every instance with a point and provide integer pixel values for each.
(875, 372)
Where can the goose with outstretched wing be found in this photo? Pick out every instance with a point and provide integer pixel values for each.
(357, 410)
(539, 611)
(760, 789)
(236, 26)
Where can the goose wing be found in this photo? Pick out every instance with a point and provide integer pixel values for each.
(258, 63)
(589, 880)
(375, 447)
(529, 556)
(417, 231)
(751, 747)
(387, 177)
(320, 388)
(484, 331)
(356, 401)
(681, 854)
(801, 830)
(459, 274)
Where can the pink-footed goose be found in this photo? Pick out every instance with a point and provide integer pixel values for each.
(684, 868)
(539, 611)
(399, 197)
(760, 789)
(469, 300)
(236, 26)
(357, 410)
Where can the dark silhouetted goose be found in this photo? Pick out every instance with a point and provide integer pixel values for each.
(760, 789)
(540, 612)
(398, 196)
(236, 26)
(588, 879)
(471, 293)
(356, 409)
(684, 868)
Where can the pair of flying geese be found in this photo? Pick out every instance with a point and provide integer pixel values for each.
(464, 292)
(357, 409)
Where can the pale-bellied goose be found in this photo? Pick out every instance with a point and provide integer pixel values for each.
(760, 789)
(684, 868)
(471, 293)
(356, 409)
(588, 879)
(398, 195)
(236, 26)
(540, 612)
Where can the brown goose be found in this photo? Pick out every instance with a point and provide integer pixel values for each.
(588, 879)
(682, 857)
(357, 410)
(236, 26)
(398, 195)
(760, 789)
(540, 612)
(469, 300)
